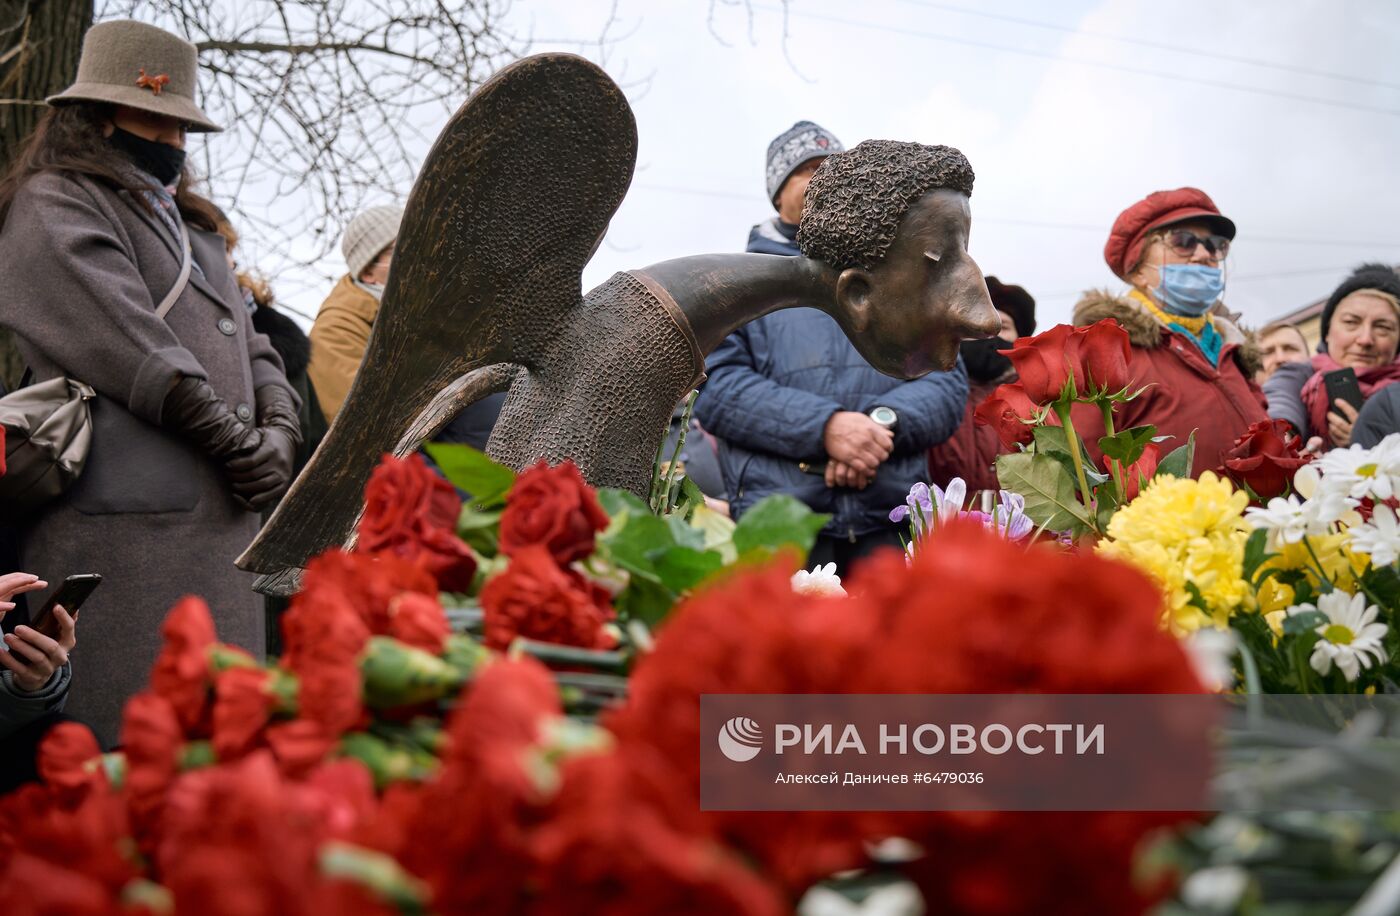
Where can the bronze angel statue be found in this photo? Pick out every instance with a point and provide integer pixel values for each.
(485, 295)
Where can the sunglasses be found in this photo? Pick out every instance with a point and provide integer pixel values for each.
(1184, 242)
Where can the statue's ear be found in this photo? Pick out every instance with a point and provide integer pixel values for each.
(853, 290)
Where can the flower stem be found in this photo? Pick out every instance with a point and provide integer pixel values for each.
(1106, 408)
(1086, 495)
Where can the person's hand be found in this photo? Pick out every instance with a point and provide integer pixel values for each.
(34, 657)
(1339, 426)
(12, 584)
(854, 439)
(263, 475)
(840, 474)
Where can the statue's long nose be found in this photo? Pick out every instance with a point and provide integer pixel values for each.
(979, 317)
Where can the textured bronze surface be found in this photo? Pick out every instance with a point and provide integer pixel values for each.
(512, 201)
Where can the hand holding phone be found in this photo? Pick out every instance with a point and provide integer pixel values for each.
(1341, 385)
(71, 594)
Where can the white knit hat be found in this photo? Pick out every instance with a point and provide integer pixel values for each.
(368, 234)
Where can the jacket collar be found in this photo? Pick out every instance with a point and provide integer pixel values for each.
(1148, 333)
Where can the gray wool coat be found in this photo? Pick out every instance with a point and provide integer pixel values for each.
(82, 267)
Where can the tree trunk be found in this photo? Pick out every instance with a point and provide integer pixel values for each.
(40, 41)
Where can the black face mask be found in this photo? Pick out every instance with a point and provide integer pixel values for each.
(984, 360)
(159, 160)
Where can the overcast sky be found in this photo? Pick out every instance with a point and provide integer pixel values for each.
(1287, 113)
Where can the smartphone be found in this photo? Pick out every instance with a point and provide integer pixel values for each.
(1341, 384)
(71, 594)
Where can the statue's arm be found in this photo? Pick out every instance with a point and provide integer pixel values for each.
(930, 409)
(742, 405)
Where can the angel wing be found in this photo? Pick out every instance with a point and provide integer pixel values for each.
(510, 204)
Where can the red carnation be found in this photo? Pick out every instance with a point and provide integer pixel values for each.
(419, 621)
(536, 599)
(243, 705)
(151, 738)
(181, 673)
(1006, 411)
(411, 512)
(69, 758)
(555, 508)
(1264, 459)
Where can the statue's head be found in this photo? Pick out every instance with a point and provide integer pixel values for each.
(893, 218)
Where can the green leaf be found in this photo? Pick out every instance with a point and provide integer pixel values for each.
(645, 599)
(480, 529)
(776, 521)
(1256, 553)
(618, 502)
(1178, 462)
(1305, 622)
(685, 534)
(1127, 446)
(470, 470)
(683, 568)
(631, 545)
(1051, 439)
(1048, 488)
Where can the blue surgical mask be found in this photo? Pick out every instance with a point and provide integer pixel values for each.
(1189, 289)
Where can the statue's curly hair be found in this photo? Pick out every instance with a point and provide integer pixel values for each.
(857, 198)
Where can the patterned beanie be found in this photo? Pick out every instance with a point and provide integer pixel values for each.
(802, 142)
(368, 234)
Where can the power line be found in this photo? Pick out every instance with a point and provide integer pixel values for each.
(1160, 46)
(1174, 77)
(1033, 223)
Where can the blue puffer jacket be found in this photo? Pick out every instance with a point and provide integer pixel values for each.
(775, 382)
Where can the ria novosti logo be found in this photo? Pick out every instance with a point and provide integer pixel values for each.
(740, 739)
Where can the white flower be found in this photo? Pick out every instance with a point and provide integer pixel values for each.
(1380, 537)
(1358, 472)
(1210, 651)
(1217, 889)
(822, 580)
(1350, 638)
(1288, 520)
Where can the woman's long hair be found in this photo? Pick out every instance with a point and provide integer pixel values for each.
(69, 138)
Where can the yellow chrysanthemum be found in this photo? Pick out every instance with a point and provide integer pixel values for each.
(1341, 564)
(1184, 532)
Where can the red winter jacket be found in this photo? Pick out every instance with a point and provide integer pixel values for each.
(1187, 393)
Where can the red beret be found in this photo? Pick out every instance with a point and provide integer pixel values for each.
(1158, 209)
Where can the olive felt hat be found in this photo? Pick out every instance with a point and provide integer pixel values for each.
(138, 65)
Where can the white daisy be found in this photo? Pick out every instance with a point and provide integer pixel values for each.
(1289, 520)
(1357, 472)
(1380, 537)
(1211, 652)
(821, 580)
(1351, 638)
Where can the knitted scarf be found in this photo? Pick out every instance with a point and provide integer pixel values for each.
(1200, 331)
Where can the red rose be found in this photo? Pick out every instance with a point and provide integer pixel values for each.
(1044, 363)
(1264, 459)
(68, 758)
(419, 621)
(181, 673)
(243, 706)
(536, 599)
(1006, 411)
(553, 507)
(1137, 474)
(411, 512)
(1103, 352)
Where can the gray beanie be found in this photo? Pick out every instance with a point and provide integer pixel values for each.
(802, 142)
(368, 234)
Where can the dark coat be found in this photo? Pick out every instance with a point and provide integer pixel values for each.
(1185, 393)
(294, 347)
(83, 265)
(1380, 416)
(970, 452)
(775, 382)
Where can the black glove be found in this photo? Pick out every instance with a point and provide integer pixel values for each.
(202, 416)
(261, 476)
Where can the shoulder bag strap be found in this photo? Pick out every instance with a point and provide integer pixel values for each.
(181, 281)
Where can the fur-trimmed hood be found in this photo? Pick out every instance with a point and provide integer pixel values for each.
(1145, 331)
